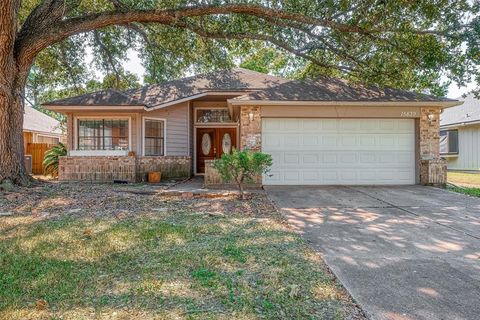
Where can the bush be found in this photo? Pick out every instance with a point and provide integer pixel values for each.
(51, 158)
(242, 166)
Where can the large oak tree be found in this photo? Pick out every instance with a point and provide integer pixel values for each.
(403, 43)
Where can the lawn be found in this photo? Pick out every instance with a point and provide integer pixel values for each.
(78, 251)
(464, 179)
(467, 183)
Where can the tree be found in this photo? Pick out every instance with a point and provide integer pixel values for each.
(242, 166)
(405, 44)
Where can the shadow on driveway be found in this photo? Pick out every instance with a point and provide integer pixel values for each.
(403, 252)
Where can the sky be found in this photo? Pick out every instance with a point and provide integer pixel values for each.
(134, 65)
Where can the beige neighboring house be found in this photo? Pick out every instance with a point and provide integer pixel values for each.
(40, 128)
(460, 135)
(322, 132)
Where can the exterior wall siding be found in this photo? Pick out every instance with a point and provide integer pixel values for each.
(177, 128)
(469, 149)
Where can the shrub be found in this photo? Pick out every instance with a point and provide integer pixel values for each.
(242, 166)
(51, 158)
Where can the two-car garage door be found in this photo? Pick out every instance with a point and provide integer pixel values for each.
(339, 151)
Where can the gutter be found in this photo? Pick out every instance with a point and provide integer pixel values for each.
(460, 124)
(437, 104)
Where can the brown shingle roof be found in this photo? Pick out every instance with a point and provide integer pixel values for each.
(254, 85)
(238, 79)
(107, 97)
(334, 89)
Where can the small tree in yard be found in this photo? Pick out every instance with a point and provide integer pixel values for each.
(242, 166)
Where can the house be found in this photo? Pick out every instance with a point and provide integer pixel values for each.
(40, 128)
(325, 131)
(460, 135)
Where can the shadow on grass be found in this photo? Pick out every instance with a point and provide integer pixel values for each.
(183, 264)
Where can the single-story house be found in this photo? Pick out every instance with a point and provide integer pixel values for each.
(460, 135)
(40, 128)
(318, 132)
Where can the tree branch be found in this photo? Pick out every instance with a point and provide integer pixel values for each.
(33, 42)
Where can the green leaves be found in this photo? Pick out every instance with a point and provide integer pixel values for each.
(241, 166)
(51, 159)
(403, 44)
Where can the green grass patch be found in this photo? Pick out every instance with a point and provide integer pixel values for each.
(465, 190)
(176, 264)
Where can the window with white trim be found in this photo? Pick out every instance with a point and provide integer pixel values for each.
(154, 137)
(102, 134)
(448, 142)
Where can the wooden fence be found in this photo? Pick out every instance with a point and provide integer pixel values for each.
(37, 150)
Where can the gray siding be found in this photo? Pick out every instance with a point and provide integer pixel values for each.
(177, 138)
(469, 149)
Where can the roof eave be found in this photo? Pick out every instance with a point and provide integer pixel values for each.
(440, 104)
(60, 108)
(459, 124)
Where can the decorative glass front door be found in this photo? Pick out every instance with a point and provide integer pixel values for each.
(212, 143)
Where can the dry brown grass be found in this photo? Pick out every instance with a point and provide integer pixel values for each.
(79, 251)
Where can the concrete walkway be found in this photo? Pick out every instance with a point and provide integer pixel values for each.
(408, 252)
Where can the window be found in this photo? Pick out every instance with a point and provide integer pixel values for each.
(154, 137)
(48, 140)
(102, 134)
(448, 142)
(213, 115)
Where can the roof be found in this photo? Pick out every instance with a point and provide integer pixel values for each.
(34, 120)
(468, 112)
(109, 97)
(250, 86)
(334, 89)
(235, 80)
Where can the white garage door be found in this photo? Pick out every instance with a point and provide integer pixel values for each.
(339, 151)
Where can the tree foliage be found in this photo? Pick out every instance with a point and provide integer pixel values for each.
(52, 158)
(403, 44)
(242, 166)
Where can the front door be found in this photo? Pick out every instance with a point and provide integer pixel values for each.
(212, 143)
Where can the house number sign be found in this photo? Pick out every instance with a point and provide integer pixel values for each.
(408, 114)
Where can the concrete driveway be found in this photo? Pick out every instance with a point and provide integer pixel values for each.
(406, 252)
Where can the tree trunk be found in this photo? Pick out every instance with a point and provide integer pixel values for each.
(12, 166)
(12, 83)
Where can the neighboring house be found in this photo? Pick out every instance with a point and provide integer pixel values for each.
(318, 132)
(40, 128)
(460, 135)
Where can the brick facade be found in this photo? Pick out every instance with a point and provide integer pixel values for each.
(433, 169)
(169, 166)
(97, 169)
(126, 168)
(250, 131)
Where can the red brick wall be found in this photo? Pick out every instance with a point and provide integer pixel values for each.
(97, 169)
(433, 169)
(131, 169)
(169, 166)
(250, 131)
